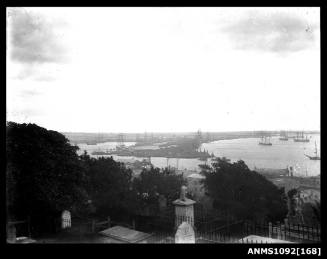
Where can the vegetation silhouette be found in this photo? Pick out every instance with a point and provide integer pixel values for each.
(44, 176)
(244, 193)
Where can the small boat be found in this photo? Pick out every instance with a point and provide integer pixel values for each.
(316, 157)
(283, 136)
(300, 138)
(265, 141)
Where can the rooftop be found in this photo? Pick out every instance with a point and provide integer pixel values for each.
(124, 234)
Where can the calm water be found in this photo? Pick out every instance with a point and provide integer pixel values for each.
(280, 155)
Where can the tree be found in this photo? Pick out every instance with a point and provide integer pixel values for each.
(316, 208)
(154, 182)
(310, 212)
(292, 202)
(242, 192)
(44, 173)
(109, 185)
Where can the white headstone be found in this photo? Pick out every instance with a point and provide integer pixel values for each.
(185, 234)
(66, 219)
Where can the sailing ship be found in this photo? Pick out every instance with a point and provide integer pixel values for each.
(316, 157)
(300, 137)
(265, 141)
(283, 136)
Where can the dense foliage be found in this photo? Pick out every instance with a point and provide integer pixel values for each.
(109, 185)
(291, 194)
(244, 193)
(316, 209)
(44, 174)
(154, 182)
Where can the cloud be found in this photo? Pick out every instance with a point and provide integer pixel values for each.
(33, 39)
(272, 32)
(28, 93)
(38, 72)
(45, 78)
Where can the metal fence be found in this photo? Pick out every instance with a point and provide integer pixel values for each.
(237, 231)
(200, 237)
(288, 232)
(204, 220)
(209, 228)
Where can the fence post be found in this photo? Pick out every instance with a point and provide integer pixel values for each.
(286, 227)
(279, 232)
(283, 232)
(270, 229)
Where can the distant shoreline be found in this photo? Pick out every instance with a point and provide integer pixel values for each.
(228, 137)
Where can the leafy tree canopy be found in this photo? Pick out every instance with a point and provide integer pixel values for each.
(291, 194)
(110, 184)
(44, 172)
(154, 182)
(244, 193)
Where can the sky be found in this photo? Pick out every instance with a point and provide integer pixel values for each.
(164, 69)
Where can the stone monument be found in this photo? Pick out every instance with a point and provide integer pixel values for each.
(184, 211)
(185, 234)
(66, 219)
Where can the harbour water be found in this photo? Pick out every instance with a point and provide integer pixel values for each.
(279, 155)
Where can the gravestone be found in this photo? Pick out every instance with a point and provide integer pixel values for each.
(185, 234)
(66, 219)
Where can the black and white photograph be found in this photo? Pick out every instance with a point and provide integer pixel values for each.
(163, 125)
